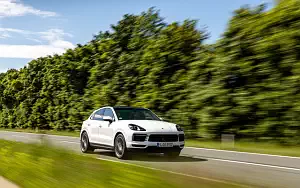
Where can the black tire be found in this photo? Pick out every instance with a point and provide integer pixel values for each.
(172, 154)
(85, 146)
(120, 148)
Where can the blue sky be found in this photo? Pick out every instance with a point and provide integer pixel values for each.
(35, 28)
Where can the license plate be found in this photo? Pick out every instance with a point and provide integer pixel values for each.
(164, 144)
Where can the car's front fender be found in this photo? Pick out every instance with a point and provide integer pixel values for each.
(122, 131)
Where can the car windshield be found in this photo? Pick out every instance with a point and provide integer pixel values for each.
(135, 114)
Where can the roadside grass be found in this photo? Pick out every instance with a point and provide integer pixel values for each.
(266, 147)
(38, 131)
(248, 146)
(42, 165)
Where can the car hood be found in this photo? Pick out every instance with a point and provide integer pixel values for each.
(152, 125)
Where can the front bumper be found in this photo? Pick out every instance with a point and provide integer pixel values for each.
(153, 146)
(155, 149)
(145, 144)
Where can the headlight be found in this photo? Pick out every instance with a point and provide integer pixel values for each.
(179, 128)
(136, 127)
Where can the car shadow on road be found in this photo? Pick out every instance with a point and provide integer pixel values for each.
(153, 157)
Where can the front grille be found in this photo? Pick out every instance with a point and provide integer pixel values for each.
(181, 137)
(163, 138)
(139, 137)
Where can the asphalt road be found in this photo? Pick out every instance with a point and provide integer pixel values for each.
(253, 170)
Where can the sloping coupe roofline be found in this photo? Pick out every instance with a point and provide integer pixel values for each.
(127, 107)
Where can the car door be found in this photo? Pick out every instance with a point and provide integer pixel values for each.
(94, 126)
(106, 129)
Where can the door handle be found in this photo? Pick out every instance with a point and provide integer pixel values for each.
(88, 124)
(100, 126)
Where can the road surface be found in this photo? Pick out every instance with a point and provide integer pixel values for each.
(6, 184)
(253, 170)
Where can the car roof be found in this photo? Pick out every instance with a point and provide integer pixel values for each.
(127, 107)
(120, 107)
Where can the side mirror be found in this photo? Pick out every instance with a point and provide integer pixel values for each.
(108, 118)
(161, 118)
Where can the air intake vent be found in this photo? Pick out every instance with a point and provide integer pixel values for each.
(139, 137)
(163, 138)
(181, 137)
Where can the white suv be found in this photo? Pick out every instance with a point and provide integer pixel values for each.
(125, 129)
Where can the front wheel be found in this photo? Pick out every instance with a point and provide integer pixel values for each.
(85, 144)
(120, 147)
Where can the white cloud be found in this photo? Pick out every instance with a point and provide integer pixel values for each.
(54, 34)
(49, 35)
(4, 35)
(34, 40)
(4, 32)
(9, 8)
(62, 44)
(12, 30)
(29, 51)
(51, 42)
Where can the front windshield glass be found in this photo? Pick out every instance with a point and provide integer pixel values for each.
(135, 114)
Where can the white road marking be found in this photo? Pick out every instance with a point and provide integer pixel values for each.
(249, 163)
(177, 173)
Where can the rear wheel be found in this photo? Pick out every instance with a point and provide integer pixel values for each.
(120, 147)
(85, 144)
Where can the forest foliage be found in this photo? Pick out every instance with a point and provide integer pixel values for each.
(247, 83)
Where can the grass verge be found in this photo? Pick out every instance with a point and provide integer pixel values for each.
(248, 146)
(36, 165)
(51, 132)
(245, 146)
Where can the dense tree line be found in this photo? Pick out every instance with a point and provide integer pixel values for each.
(247, 83)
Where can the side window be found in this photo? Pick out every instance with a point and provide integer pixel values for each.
(109, 112)
(98, 115)
(148, 115)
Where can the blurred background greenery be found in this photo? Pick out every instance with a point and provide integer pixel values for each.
(246, 84)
